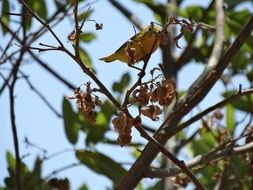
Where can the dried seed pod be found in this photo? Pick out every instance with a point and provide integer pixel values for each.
(164, 93)
(86, 102)
(152, 111)
(142, 95)
(123, 124)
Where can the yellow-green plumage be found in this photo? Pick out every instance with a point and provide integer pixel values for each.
(134, 50)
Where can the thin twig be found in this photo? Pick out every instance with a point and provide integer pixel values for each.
(36, 35)
(212, 108)
(13, 123)
(44, 99)
(85, 69)
(180, 163)
(77, 29)
(200, 160)
(136, 172)
(53, 173)
(41, 22)
(186, 54)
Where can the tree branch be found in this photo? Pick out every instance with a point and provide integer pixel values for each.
(41, 21)
(212, 108)
(185, 105)
(184, 57)
(13, 123)
(85, 69)
(44, 99)
(180, 163)
(200, 160)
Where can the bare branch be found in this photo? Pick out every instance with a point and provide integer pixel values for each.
(41, 22)
(187, 51)
(138, 169)
(13, 123)
(44, 99)
(201, 160)
(180, 163)
(212, 108)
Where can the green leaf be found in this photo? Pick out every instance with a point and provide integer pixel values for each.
(108, 109)
(36, 174)
(236, 19)
(85, 15)
(242, 103)
(194, 11)
(233, 3)
(204, 144)
(26, 18)
(39, 7)
(101, 164)
(87, 37)
(250, 76)
(83, 187)
(206, 172)
(71, 125)
(135, 153)
(95, 133)
(11, 161)
(4, 16)
(85, 58)
(240, 62)
(124, 82)
(230, 117)
(157, 185)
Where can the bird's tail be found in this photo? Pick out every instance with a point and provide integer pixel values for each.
(108, 59)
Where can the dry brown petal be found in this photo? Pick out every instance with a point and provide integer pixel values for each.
(137, 121)
(97, 101)
(123, 124)
(218, 114)
(86, 102)
(223, 134)
(216, 176)
(164, 37)
(143, 95)
(152, 111)
(124, 139)
(56, 183)
(72, 36)
(122, 121)
(249, 138)
(250, 166)
(154, 97)
(99, 26)
(165, 93)
(91, 117)
(181, 181)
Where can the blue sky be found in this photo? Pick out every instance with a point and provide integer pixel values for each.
(41, 126)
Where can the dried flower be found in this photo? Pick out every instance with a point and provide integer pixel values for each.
(142, 95)
(152, 111)
(165, 93)
(123, 125)
(218, 114)
(86, 102)
(99, 26)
